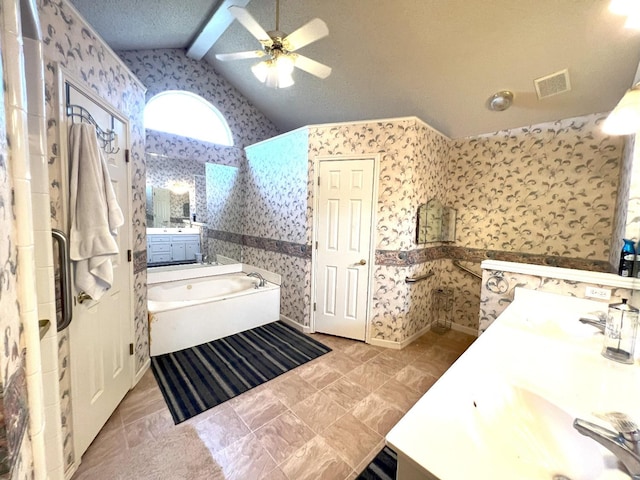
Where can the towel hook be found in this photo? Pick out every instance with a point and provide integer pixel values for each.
(106, 137)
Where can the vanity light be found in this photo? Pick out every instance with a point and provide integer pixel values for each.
(625, 117)
(179, 188)
(628, 8)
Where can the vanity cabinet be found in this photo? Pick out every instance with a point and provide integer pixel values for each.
(169, 248)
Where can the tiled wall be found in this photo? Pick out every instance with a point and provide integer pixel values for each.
(70, 44)
(15, 445)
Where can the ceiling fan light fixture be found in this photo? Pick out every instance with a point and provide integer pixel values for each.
(276, 72)
(260, 71)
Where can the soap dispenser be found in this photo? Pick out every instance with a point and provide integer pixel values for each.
(620, 332)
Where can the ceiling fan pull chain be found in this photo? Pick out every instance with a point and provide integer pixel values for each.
(277, 15)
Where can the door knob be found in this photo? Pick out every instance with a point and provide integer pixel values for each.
(363, 262)
(82, 296)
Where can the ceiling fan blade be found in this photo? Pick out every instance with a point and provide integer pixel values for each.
(306, 34)
(311, 66)
(248, 22)
(240, 55)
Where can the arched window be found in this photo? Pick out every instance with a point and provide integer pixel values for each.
(188, 115)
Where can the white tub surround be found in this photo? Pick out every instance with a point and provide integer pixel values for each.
(506, 408)
(192, 306)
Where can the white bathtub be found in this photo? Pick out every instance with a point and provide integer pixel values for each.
(193, 311)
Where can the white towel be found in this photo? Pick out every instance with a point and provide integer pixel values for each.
(94, 211)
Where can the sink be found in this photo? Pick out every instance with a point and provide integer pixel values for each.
(536, 437)
(505, 409)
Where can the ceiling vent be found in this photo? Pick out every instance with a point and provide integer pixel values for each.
(552, 84)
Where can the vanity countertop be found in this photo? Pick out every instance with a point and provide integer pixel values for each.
(172, 231)
(505, 409)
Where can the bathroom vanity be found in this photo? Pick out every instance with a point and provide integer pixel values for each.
(506, 408)
(172, 245)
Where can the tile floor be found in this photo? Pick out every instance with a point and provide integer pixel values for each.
(323, 420)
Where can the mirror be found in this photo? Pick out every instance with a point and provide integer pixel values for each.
(167, 208)
(208, 193)
(435, 223)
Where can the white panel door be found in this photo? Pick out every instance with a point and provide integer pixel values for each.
(345, 212)
(101, 331)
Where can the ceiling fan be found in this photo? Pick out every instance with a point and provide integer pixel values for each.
(279, 49)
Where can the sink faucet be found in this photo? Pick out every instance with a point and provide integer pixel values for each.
(600, 324)
(262, 282)
(625, 444)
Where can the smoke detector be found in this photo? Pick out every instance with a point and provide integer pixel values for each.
(553, 84)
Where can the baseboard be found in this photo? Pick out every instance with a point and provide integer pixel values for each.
(141, 372)
(292, 323)
(399, 345)
(463, 329)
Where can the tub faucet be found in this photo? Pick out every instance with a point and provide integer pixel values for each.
(625, 444)
(262, 282)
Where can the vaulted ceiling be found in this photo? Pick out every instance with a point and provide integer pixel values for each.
(439, 60)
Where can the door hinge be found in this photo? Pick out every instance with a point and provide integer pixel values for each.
(316, 244)
(131, 349)
(314, 306)
(318, 181)
(126, 155)
(129, 255)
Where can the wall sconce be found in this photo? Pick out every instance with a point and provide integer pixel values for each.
(624, 119)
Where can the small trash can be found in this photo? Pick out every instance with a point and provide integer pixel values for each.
(441, 309)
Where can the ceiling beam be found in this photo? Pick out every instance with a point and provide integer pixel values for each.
(213, 30)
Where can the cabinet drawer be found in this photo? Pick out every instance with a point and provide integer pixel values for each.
(160, 257)
(158, 238)
(184, 238)
(160, 248)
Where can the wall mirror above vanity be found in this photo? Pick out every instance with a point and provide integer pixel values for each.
(435, 223)
(179, 189)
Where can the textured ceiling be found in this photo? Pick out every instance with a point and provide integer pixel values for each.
(437, 59)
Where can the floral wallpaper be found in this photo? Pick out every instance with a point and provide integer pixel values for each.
(498, 289)
(632, 213)
(625, 205)
(171, 69)
(413, 160)
(225, 198)
(70, 44)
(178, 149)
(548, 189)
(15, 444)
(276, 183)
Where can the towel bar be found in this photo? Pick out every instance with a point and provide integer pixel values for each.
(417, 279)
(468, 270)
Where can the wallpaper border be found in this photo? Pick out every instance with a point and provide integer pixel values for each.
(408, 258)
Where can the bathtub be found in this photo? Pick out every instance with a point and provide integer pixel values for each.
(191, 311)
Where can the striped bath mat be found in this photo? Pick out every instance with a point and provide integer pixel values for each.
(383, 467)
(196, 379)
